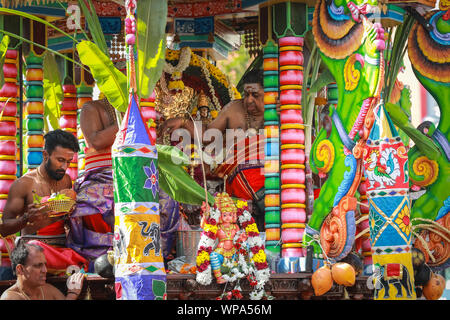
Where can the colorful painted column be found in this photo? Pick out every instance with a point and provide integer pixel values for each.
(34, 107)
(68, 120)
(292, 138)
(272, 149)
(290, 22)
(386, 170)
(84, 94)
(139, 264)
(8, 128)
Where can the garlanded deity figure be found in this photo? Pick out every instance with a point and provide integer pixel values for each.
(231, 247)
(227, 229)
(203, 112)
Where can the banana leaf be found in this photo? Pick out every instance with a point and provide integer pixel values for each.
(53, 92)
(172, 154)
(400, 119)
(110, 80)
(95, 29)
(3, 48)
(151, 44)
(175, 181)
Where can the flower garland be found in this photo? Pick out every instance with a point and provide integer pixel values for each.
(212, 91)
(205, 247)
(251, 263)
(176, 72)
(208, 70)
(259, 269)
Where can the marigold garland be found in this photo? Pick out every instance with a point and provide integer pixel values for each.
(208, 69)
(176, 72)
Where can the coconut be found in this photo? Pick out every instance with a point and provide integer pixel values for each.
(355, 261)
(343, 274)
(435, 287)
(322, 280)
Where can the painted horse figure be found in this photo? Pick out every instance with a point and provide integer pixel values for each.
(351, 48)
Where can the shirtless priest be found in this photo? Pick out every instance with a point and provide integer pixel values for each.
(30, 266)
(22, 214)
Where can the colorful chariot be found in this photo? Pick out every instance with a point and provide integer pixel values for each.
(352, 193)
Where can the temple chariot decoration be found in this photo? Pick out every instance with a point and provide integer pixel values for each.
(346, 196)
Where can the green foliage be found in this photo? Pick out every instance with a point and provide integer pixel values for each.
(236, 65)
(400, 119)
(175, 181)
(58, 196)
(110, 80)
(394, 56)
(324, 79)
(93, 23)
(53, 92)
(151, 44)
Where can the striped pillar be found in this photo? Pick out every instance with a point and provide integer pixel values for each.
(272, 149)
(292, 138)
(68, 121)
(148, 112)
(84, 94)
(8, 128)
(34, 107)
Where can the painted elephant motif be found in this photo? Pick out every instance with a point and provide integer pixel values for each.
(394, 274)
(152, 231)
(351, 48)
(429, 52)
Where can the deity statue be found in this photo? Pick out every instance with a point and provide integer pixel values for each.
(203, 112)
(227, 229)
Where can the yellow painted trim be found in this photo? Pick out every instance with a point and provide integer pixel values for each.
(293, 186)
(293, 205)
(292, 146)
